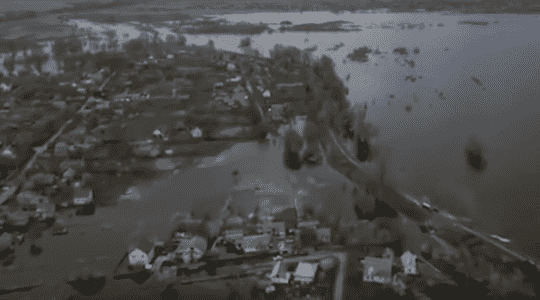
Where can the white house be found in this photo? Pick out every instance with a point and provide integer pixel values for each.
(231, 67)
(5, 87)
(279, 273)
(306, 272)
(142, 255)
(196, 132)
(267, 94)
(408, 260)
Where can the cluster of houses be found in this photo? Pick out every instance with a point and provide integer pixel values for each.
(237, 238)
(389, 270)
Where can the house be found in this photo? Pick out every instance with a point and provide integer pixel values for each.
(234, 235)
(279, 273)
(324, 235)
(158, 134)
(61, 149)
(9, 153)
(196, 132)
(313, 224)
(69, 174)
(288, 92)
(267, 94)
(231, 67)
(278, 111)
(192, 249)
(82, 196)
(256, 243)
(288, 215)
(59, 104)
(306, 272)
(142, 254)
(377, 270)
(5, 87)
(408, 261)
(29, 197)
(274, 228)
(236, 79)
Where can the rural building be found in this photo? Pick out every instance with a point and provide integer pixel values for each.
(191, 249)
(81, 195)
(29, 197)
(61, 149)
(142, 254)
(255, 243)
(288, 92)
(306, 272)
(279, 273)
(313, 224)
(274, 228)
(408, 261)
(9, 153)
(324, 235)
(196, 133)
(234, 235)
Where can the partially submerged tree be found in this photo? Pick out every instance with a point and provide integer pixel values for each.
(112, 38)
(245, 42)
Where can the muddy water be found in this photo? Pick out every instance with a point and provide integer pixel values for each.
(469, 86)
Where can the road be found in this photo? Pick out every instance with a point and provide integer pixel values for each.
(107, 234)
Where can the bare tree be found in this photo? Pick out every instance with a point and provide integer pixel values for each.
(112, 38)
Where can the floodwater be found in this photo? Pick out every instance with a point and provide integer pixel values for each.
(478, 86)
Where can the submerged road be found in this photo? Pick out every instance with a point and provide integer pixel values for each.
(101, 240)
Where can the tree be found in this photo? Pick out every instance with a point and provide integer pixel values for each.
(245, 42)
(136, 49)
(112, 38)
(211, 44)
(114, 61)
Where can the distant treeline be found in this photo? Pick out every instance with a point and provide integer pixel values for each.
(393, 5)
(17, 15)
(75, 7)
(95, 4)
